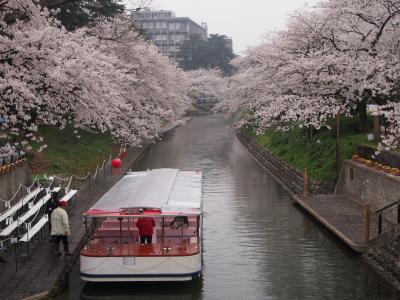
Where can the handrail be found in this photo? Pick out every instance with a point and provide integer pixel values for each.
(380, 212)
(387, 206)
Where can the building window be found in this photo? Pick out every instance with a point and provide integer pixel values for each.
(144, 25)
(177, 26)
(161, 25)
(176, 37)
(150, 25)
(171, 26)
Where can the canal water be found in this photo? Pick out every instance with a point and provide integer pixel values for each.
(257, 243)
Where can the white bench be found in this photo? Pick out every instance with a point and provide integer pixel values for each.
(11, 227)
(35, 229)
(20, 204)
(68, 196)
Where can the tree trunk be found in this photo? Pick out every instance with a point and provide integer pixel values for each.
(337, 144)
(362, 113)
(310, 134)
(377, 129)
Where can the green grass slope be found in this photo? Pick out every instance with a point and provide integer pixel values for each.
(67, 154)
(318, 156)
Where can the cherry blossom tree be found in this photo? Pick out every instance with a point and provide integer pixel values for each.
(330, 60)
(104, 77)
(207, 83)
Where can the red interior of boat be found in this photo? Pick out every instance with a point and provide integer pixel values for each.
(121, 238)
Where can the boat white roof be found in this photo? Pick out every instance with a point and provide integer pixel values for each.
(170, 190)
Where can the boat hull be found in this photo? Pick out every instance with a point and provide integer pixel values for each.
(139, 268)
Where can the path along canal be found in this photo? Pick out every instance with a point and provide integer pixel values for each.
(257, 243)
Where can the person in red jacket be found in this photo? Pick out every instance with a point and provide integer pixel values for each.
(145, 226)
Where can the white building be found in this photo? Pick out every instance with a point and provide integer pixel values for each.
(166, 30)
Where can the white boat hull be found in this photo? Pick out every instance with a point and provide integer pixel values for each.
(147, 268)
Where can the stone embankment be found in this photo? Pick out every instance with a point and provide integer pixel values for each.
(386, 260)
(293, 178)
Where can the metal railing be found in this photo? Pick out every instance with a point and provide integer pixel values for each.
(379, 212)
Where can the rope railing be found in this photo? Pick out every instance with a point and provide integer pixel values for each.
(61, 178)
(28, 224)
(50, 185)
(82, 178)
(69, 181)
(103, 165)
(67, 188)
(28, 189)
(7, 203)
(95, 173)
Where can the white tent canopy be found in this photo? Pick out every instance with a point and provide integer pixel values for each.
(169, 190)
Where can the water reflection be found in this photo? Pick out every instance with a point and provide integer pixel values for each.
(257, 243)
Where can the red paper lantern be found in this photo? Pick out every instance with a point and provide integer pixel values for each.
(116, 163)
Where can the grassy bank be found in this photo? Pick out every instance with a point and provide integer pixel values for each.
(317, 155)
(67, 154)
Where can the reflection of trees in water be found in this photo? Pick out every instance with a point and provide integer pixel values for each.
(146, 290)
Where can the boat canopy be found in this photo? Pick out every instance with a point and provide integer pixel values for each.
(160, 191)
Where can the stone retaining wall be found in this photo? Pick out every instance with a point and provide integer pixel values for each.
(290, 176)
(367, 185)
(10, 181)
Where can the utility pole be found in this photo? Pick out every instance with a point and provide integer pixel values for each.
(337, 143)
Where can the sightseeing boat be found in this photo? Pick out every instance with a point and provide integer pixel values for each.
(113, 252)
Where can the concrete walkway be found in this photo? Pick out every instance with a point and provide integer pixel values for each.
(43, 271)
(344, 217)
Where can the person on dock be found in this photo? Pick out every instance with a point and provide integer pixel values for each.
(60, 228)
(145, 226)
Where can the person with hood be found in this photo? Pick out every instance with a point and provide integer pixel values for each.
(60, 227)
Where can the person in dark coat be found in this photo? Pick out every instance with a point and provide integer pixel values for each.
(51, 206)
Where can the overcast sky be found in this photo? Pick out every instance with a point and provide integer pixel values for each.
(245, 21)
